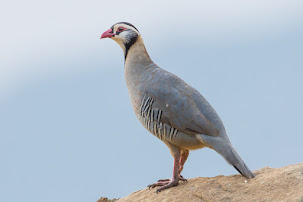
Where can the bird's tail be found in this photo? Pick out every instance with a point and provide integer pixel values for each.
(225, 148)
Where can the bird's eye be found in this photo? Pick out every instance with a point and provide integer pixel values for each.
(120, 29)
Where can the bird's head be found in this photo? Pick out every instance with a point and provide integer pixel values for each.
(124, 33)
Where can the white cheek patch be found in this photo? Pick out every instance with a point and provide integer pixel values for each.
(124, 37)
(127, 35)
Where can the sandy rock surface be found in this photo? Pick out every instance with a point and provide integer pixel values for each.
(270, 184)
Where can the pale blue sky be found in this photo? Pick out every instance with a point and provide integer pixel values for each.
(67, 129)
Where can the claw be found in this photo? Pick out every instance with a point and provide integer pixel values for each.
(182, 178)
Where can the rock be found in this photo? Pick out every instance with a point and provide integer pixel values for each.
(270, 184)
(104, 199)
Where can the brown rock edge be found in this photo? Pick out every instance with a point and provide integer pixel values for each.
(270, 184)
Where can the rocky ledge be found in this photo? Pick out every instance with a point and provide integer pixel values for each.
(270, 184)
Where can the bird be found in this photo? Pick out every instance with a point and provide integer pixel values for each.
(169, 108)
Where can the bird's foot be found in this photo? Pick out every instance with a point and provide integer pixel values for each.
(167, 183)
(164, 184)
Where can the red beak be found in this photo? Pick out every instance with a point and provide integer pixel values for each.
(107, 34)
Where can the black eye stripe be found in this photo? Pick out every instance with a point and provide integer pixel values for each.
(120, 29)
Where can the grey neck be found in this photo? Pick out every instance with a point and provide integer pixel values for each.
(137, 64)
(137, 54)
